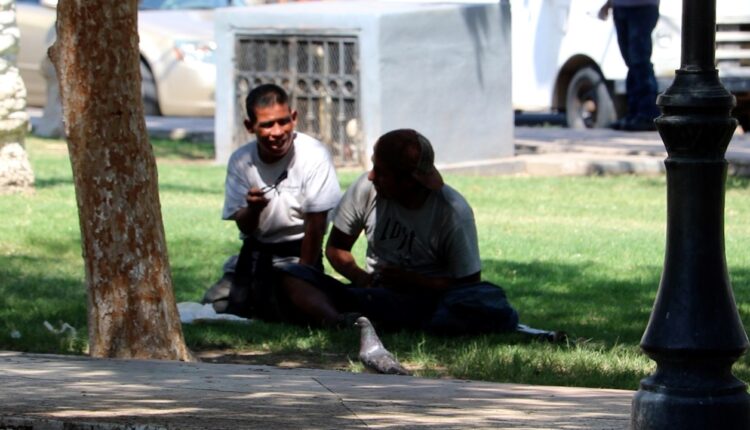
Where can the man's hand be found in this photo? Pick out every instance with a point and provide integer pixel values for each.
(407, 281)
(392, 277)
(247, 217)
(256, 200)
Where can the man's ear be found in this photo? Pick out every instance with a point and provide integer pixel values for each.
(249, 126)
(294, 115)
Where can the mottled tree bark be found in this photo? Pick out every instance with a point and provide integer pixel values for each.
(132, 310)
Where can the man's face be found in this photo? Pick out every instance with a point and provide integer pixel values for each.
(388, 183)
(274, 129)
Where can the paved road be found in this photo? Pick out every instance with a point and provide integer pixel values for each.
(68, 392)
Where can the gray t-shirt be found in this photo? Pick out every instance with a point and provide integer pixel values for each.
(311, 185)
(438, 239)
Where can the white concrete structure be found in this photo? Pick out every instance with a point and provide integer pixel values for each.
(15, 170)
(443, 69)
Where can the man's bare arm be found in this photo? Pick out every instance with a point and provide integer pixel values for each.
(339, 254)
(315, 229)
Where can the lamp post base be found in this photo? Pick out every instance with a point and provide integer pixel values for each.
(665, 410)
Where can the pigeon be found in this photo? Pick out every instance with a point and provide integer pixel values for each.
(373, 354)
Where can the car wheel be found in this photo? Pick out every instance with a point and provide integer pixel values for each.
(744, 120)
(148, 91)
(588, 103)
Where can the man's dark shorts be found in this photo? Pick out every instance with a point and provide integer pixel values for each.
(475, 308)
(254, 291)
(385, 307)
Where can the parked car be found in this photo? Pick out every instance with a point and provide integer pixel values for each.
(176, 45)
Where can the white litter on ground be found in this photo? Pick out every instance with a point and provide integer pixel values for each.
(193, 312)
(65, 329)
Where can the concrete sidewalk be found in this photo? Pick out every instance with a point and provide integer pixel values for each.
(539, 151)
(70, 392)
(548, 151)
(559, 151)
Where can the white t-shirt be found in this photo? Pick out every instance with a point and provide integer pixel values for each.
(438, 239)
(311, 185)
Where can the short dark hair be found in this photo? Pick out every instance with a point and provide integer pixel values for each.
(264, 95)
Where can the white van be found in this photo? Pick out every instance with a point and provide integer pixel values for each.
(566, 60)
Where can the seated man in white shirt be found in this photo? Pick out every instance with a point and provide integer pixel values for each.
(279, 189)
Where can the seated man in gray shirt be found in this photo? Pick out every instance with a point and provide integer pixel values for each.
(422, 268)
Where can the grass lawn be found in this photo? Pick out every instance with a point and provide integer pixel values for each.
(580, 254)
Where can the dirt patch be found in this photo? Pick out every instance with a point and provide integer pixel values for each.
(287, 360)
(294, 360)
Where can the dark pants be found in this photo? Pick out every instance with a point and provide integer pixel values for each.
(470, 309)
(634, 26)
(256, 291)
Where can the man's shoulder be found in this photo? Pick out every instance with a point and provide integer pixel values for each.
(362, 185)
(455, 201)
(310, 146)
(243, 153)
(360, 192)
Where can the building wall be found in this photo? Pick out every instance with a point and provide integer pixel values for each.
(443, 69)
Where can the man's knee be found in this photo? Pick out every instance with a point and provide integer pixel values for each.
(293, 287)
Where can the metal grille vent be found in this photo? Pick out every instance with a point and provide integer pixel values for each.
(320, 73)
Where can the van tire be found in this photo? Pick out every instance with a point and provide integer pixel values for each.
(588, 103)
(148, 91)
(744, 119)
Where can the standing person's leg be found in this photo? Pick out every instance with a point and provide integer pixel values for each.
(635, 26)
(641, 47)
(621, 18)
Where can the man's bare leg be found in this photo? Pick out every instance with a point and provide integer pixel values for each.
(313, 303)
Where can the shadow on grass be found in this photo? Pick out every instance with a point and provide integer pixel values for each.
(737, 183)
(609, 314)
(51, 182)
(164, 186)
(32, 293)
(172, 187)
(182, 150)
(569, 297)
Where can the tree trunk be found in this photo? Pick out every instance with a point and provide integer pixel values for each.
(132, 311)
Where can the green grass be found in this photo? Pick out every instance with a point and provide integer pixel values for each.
(581, 254)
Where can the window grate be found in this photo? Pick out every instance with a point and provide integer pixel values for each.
(320, 73)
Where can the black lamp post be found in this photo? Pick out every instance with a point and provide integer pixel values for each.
(695, 333)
